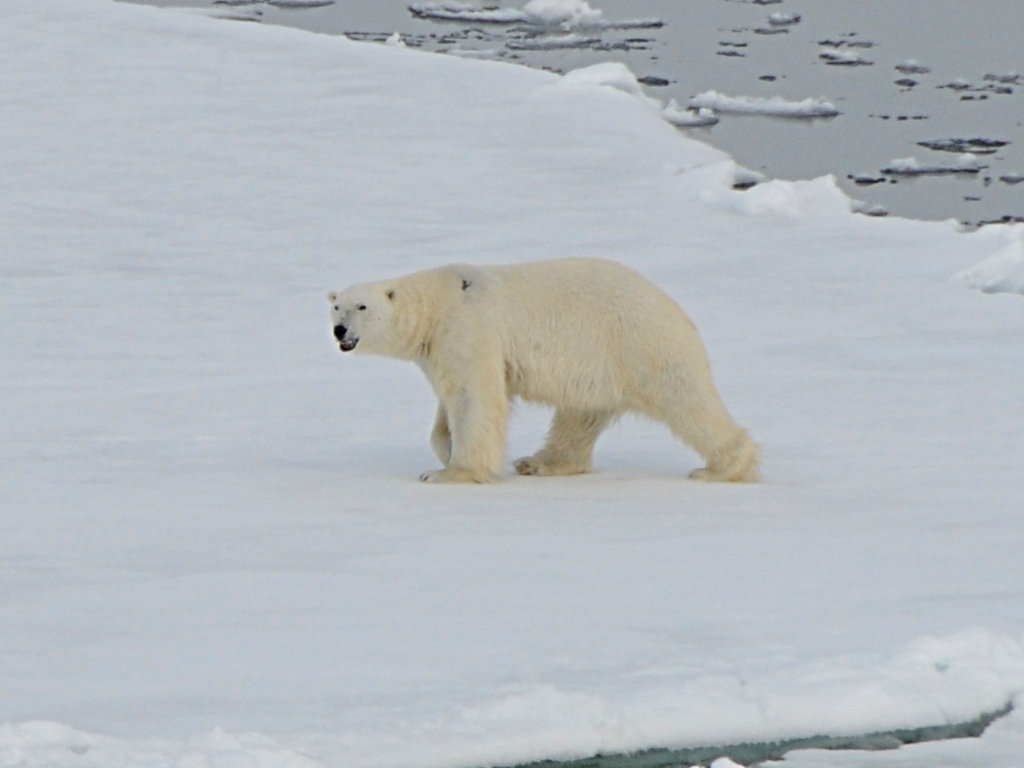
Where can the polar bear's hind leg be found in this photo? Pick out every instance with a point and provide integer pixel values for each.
(570, 444)
(730, 453)
(441, 436)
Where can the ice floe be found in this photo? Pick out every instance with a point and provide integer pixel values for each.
(694, 117)
(553, 42)
(846, 58)
(912, 67)
(909, 166)
(774, 106)
(233, 11)
(783, 19)
(977, 146)
(300, 3)
(561, 14)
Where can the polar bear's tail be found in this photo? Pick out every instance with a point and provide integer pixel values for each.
(734, 461)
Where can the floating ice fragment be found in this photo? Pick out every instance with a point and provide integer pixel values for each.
(776, 106)
(300, 3)
(909, 166)
(977, 146)
(561, 14)
(957, 85)
(843, 58)
(870, 209)
(553, 43)
(473, 53)
(783, 19)
(567, 14)
(912, 67)
(688, 118)
(230, 13)
(1010, 78)
(460, 12)
(864, 180)
(654, 81)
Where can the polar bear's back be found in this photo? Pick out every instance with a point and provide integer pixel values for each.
(588, 331)
(588, 300)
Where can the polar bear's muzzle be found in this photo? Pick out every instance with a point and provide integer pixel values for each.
(345, 345)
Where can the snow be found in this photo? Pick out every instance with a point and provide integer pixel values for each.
(607, 75)
(775, 105)
(1003, 271)
(215, 551)
(801, 200)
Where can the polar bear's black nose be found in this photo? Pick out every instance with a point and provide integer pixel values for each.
(339, 332)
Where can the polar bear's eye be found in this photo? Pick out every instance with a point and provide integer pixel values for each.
(361, 307)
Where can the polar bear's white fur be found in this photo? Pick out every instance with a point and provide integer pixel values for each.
(592, 338)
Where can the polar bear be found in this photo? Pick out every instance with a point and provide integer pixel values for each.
(592, 338)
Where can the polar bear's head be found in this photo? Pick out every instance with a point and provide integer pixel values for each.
(362, 317)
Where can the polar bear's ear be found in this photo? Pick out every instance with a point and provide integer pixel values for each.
(390, 294)
(332, 297)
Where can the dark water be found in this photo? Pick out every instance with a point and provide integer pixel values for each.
(971, 90)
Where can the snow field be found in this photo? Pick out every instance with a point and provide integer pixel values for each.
(215, 551)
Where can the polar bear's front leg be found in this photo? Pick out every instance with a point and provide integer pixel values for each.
(477, 420)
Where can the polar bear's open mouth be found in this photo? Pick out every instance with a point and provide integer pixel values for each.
(347, 345)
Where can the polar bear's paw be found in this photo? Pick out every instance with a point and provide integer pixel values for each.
(457, 475)
(537, 465)
(736, 461)
(704, 475)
